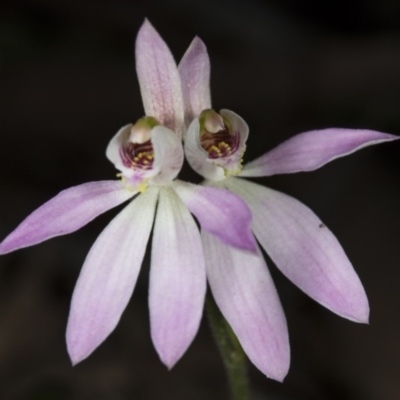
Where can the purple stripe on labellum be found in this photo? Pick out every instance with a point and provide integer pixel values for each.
(220, 144)
(137, 155)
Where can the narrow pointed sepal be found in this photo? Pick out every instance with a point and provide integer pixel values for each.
(219, 212)
(245, 293)
(194, 70)
(304, 249)
(159, 79)
(108, 277)
(311, 150)
(177, 279)
(65, 213)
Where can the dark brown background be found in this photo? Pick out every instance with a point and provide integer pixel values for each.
(68, 83)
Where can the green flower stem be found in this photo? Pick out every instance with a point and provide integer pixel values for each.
(231, 351)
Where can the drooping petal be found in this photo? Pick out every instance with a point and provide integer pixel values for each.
(245, 293)
(194, 70)
(159, 79)
(311, 150)
(197, 157)
(177, 279)
(168, 154)
(108, 277)
(304, 249)
(65, 213)
(219, 212)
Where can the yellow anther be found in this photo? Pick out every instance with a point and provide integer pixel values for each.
(136, 159)
(225, 146)
(213, 149)
(145, 162)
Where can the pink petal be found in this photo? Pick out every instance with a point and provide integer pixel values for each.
(177, 279)
(159, 80)
(305, 250)
(108, 277)
(245, 293)
(67, 212)
(311, 150)
(219, 212)
(194, 70)
(168, 154)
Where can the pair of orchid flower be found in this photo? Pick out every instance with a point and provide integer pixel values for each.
(149, 156)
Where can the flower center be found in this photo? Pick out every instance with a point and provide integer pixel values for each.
(138, 155)
(137, 152)
(216, 136)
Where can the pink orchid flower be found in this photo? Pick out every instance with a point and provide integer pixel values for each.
(300, 245)
(149, 155)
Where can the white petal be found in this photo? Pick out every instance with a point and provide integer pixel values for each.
(304, 249)
(108, 277)
(177, 279)
(245, 293)
(159, 79)
(194, 70)
(219, 212)
(65, 213)
(311, 150)
(168, 154)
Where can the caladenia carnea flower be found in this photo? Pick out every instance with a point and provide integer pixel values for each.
(300, 245)
(149, 155)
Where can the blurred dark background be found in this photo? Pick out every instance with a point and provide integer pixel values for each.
(68, 83)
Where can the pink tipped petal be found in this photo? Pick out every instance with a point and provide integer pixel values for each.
(305, 250)
(245, 293)
(177, 279)
(159, 79)
(108, 277)
(197, 157)
(311, 150)
(219, 212)
(168, 154)
(65, 213)
(194, 70)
